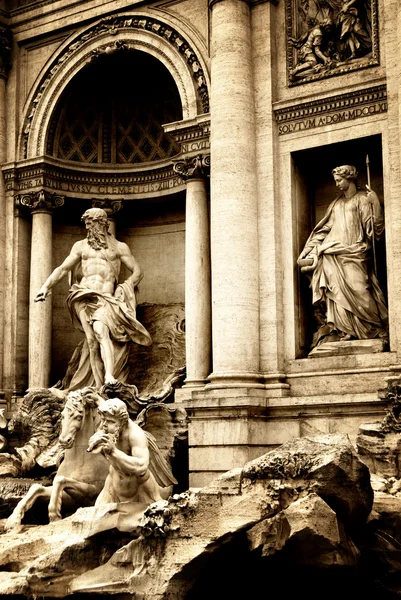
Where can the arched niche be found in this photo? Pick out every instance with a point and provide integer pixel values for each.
(146, 33)
(113, 110)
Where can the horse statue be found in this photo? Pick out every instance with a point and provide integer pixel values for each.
(81, 475)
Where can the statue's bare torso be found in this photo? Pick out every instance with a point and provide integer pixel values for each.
(99, 259)
(100, 268)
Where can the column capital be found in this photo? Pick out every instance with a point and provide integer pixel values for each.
(5, 51)
(196, 167)
(41, 201)
(108, 205)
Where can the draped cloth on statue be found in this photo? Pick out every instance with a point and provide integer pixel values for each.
(343, 277)
(118, 313)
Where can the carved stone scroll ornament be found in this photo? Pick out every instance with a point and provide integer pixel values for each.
(111, 207)
(330, 37)
(40, 201)
(5, 51)
(197, 167)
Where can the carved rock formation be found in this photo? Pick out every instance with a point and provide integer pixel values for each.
(305, 499)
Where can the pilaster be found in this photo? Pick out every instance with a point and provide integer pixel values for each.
(5, 64)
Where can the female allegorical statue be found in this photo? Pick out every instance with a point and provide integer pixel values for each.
(339, 254)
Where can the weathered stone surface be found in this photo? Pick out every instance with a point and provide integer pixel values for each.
(281, 501)
(331, 463)
(379, 450)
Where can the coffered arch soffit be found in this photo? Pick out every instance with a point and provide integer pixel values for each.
(150, 32)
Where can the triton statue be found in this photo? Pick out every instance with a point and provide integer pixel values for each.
(100, 307)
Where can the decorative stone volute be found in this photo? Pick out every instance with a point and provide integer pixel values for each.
(41, 201)
(109, 205)
(5, 51)
(197, 167)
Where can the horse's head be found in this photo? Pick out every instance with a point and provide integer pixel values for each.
(72, 419)
(77, 407)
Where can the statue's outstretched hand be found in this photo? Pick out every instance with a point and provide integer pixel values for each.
(41, 296)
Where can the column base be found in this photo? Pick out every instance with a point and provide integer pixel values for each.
(235, 379)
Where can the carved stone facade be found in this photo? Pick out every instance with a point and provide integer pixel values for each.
(217, 125)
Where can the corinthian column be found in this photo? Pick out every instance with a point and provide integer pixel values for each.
(234, 228)
(5, 54)
(41, 204)
(197, 270)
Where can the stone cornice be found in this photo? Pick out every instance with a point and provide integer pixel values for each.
(250, 2)
(73, 179)
(197, 167)
(331, 110)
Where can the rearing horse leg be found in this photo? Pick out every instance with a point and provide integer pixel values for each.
(35, 491)
(73, 487)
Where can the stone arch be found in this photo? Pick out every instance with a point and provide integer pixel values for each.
(144, 32)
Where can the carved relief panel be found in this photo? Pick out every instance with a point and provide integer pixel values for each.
(330, 37)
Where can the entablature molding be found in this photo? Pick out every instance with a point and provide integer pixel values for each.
(193, 135)
(332, 110)
(74, 180)
(250, 2)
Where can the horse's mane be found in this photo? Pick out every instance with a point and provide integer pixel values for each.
(80, 402)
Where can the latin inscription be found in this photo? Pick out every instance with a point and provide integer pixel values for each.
(83, 188)
(333, 118)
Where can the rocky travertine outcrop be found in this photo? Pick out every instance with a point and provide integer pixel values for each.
(309, 496)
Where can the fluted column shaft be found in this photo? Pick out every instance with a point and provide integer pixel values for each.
(234, 230)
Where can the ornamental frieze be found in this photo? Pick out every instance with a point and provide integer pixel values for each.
(330, 37)
(331, 111)
(113, 185)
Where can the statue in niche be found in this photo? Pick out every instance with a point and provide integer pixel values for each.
(348, 301)
(100, 307)
(330, 37)
(138, 472)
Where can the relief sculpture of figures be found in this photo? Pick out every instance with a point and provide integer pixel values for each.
(327, 37)
(339, 255)
(100, 307)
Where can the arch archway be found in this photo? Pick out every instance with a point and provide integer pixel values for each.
(181, 57)
(113, 110)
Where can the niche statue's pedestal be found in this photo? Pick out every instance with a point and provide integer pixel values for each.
(349, 347)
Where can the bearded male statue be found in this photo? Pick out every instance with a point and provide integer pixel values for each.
(99, 306)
